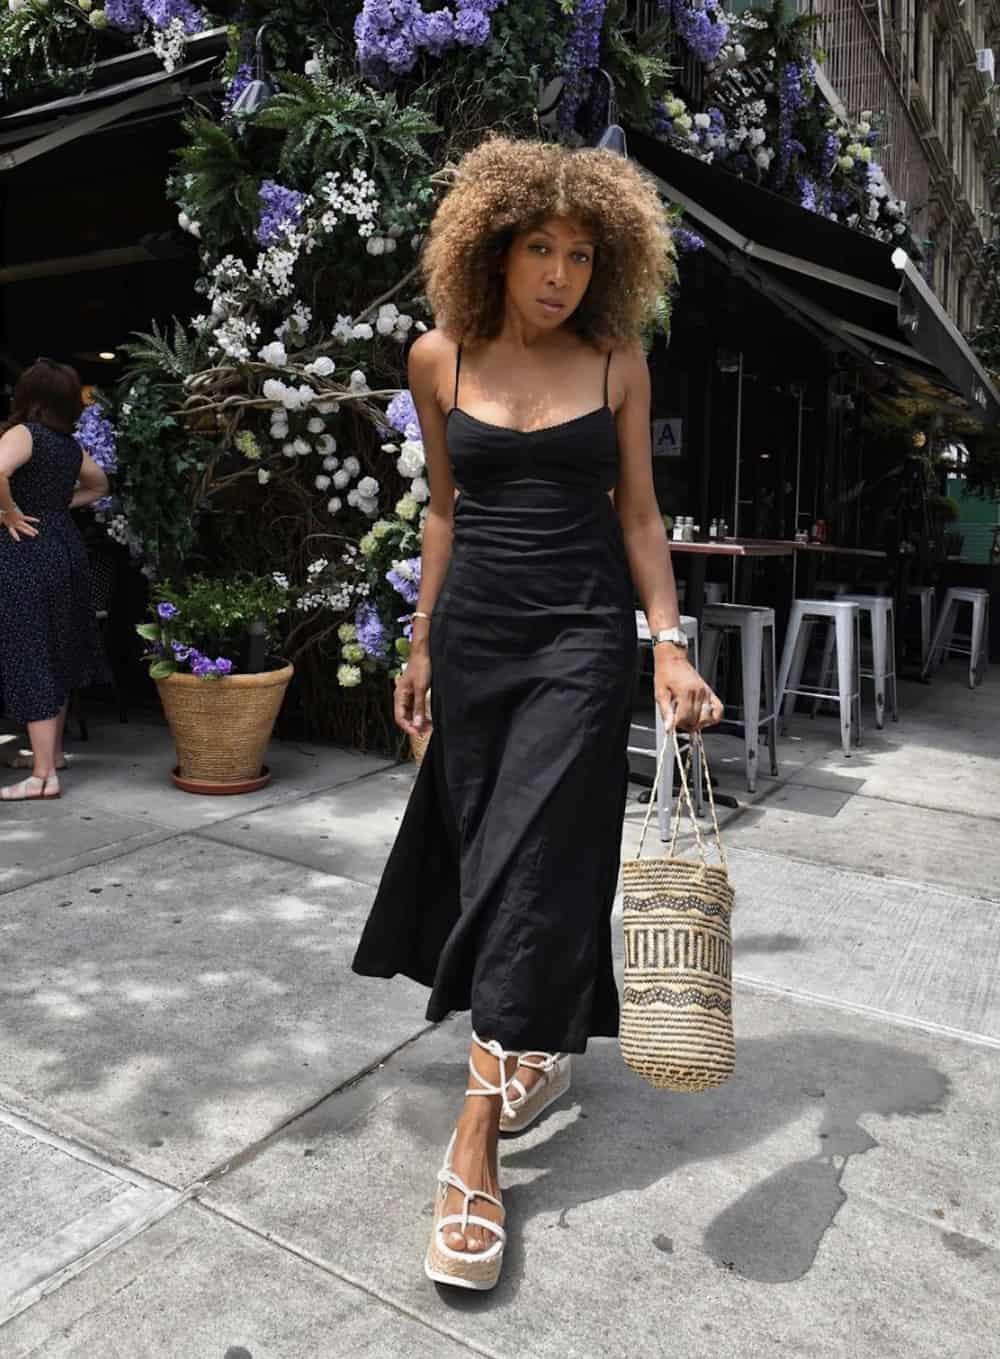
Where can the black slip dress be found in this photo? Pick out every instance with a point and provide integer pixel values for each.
(498, 891)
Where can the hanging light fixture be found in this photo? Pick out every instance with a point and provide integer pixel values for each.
(252, 98)
(613, 136)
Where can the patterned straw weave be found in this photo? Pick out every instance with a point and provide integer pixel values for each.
(677, 1012)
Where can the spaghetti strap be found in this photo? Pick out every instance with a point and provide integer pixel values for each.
(458, 369)
(607, 370)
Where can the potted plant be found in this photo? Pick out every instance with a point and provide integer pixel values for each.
(220, 686)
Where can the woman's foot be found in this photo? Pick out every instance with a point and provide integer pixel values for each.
(541, 1078)
(32, 789)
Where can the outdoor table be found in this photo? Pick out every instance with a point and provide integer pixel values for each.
(733, 548)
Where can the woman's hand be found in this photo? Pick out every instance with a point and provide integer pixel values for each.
(684, 699)
(411, 696)
(19, 525)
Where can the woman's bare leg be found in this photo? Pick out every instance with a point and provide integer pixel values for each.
(44, 738)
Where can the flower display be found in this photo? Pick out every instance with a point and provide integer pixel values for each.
(581, 57)
(702, 25)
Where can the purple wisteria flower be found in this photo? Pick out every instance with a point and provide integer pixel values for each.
(124, 14)
(582, 56)
(242, 77)
(372, 633)
(401, 414)
(829, 152)
(686, 241)
(404, 578)
(97, 435)
(703, 27)
(792, 98)
(391, 34)
(162, 13)
(281, 212)
(167, 610)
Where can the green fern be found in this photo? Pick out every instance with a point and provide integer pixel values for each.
(636, 63)
(158, 354)
(327, 125)
(220, 187)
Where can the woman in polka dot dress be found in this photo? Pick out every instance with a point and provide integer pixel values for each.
(48, 638)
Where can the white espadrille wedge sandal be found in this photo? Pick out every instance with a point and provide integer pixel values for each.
(528, 1104)
(464, 1268)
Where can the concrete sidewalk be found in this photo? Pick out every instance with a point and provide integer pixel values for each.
(216, 1142)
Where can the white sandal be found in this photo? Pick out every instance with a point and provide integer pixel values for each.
(529, 1104)
(463, 1268)
(32, 790)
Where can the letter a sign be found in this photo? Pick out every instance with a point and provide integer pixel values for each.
(668, 438)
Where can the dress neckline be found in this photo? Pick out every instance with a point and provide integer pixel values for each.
(528, 433)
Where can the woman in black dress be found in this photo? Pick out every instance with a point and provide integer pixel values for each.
(533, 395)
(48, 641)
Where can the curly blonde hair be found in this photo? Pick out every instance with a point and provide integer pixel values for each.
(503, 187)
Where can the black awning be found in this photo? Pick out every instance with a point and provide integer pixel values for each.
(873, 298)
(133, 87)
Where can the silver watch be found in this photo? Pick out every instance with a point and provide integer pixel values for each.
(675, 635)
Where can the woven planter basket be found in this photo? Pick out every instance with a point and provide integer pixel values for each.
(221, 728)
(677, 1013)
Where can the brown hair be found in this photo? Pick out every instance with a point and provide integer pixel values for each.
(503, 187)
(49, 394)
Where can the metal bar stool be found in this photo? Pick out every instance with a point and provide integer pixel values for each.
(924, 594)
(943, 643)
(843, 619)
(880, 612)
(757, 660)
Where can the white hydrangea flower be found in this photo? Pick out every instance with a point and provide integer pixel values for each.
(359, 382)
(331, 464)
(263, 475)
(344, 329)
(389, 448)
(327, 407)
(274, 389)
(313, 67)
(334, 504)
(316, 426)
(325, 444)
(368, 487)
(306, 395)
(385, 325)
(302, 447)
(274, 354)
(362, 331)
(407, 508)
(410, 462)
(288, 450)
(352, 496)
(420, 490)
(321, 482)
(348, 676)
(321, 367)
(375, 245)
(352, 466)
(342, 480)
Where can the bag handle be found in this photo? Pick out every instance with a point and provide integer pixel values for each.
(684, 764)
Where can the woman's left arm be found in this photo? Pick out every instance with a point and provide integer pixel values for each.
(676, 680)
(92, 484)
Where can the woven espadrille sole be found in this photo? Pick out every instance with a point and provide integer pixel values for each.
(471, 1272)
(534, 1108)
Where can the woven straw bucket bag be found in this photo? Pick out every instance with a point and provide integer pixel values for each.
(677, 1011)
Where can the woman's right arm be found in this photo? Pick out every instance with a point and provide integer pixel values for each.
(15, 451)
(429, 359)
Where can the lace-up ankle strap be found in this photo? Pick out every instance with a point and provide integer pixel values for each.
(538, 1061)
(504, 1081)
